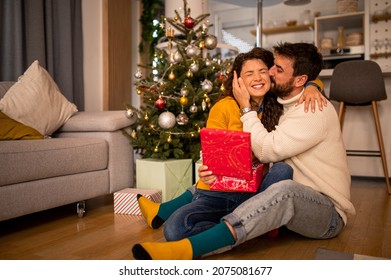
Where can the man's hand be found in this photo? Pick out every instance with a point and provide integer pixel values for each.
(206, 175)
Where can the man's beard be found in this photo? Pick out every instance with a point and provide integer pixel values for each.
(283, 90)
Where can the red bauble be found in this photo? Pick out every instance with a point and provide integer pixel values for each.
(221, 78)
(160, 103)
(189, 22)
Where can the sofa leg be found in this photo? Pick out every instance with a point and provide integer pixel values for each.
(81, 208)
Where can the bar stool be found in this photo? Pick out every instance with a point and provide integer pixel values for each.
(360, 83)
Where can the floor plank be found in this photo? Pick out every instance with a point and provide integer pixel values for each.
(58, 234)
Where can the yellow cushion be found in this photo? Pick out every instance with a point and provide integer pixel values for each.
(13, 130)
(36, 101)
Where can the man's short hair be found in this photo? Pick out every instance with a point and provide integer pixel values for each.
(307, 60)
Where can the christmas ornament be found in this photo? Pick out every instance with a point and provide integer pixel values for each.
(208, 62)
(207, 85)
(134, 134)
(189, 22)
(160, 103)
(178, 57)
(166, 120)
(221, 78)
(184, 91)
(138, 74)
(189, 74)
(210, 42)
(171, 58)
(169, 139)
(170, 32)
(192, 51)
(222, 88)
(206, 98)
(171, 76)
(194, 67)
(129, 113)
(193, 108)
(183, 100)
(203, 105)
(182, 118)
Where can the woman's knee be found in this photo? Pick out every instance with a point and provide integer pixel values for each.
(172, 232)
(284, 170)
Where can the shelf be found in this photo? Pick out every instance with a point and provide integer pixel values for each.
(348, 21)
(384, 17)
(378, 55)
(284, 29)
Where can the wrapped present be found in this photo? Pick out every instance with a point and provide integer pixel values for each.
(125, 201)
(171, 176)
(225, 183)
(227, 152)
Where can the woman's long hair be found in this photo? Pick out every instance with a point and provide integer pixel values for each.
(272, 110)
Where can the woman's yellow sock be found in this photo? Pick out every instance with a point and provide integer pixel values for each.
(174, 250)
(195, 246)
(150, 210)
(157, 213)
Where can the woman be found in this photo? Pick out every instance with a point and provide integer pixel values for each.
(199, 208)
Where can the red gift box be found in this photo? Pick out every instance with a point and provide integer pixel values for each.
(225, 183)
(227, 153)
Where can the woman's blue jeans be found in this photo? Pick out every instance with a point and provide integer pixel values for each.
(208, 207)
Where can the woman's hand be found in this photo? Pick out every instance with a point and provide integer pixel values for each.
(242, 96)
(311, 95)
(206, 175)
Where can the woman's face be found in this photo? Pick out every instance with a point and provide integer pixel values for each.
(255, 75)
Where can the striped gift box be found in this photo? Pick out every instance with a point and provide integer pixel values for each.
(125, 201)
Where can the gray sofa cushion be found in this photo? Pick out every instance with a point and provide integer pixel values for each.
(30, 160)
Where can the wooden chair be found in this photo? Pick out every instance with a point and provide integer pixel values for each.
(360, 83)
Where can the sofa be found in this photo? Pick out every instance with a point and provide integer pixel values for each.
(87, 157)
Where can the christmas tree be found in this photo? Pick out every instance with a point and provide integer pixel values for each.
(185, 81)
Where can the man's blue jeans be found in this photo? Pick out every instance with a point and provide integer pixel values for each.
(208, 207)
(286, 203)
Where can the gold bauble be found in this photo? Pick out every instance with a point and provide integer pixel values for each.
(189, 74)
(171, 76)
(183, 100)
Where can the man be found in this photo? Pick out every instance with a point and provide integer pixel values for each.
(316, 203)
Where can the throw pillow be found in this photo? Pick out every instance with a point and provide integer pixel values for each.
(13, 130)
(36, 101)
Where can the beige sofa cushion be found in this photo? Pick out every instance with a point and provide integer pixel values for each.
(36, 101)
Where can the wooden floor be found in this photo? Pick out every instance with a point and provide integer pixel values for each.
(58, 234)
